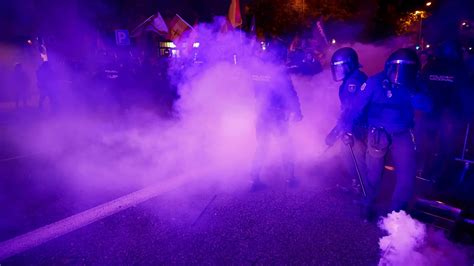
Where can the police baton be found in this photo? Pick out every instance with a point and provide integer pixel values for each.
(356, 165)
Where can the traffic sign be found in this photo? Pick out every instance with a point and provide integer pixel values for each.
(122, 38)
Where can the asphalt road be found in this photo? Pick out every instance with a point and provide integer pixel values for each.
(276, 226)
(315, 224)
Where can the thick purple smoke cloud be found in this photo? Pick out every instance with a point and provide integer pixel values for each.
(215, 129)
(211, 141)
(409, 242)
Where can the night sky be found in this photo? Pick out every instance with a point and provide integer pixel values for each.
(26, 18)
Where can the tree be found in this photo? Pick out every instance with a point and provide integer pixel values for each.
(282, 17)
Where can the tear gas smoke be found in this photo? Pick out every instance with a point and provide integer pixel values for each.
(405, 237)
(215, 132)
(212, 141)
(410, 242)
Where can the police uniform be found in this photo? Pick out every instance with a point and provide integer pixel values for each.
(390, 113)
(389, 98)
(349, 91)
(443, 128)
(276, 101)
(390, 117)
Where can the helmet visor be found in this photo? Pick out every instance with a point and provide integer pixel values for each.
(339, 70)
(402, 72)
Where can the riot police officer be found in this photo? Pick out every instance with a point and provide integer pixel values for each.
(446, 81)
(390, 98)
(277, 105)
(345, 67)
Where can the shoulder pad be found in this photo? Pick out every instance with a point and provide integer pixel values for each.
(374, 81)
(357, 80)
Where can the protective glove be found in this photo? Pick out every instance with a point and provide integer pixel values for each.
(348, 138)
(332, 137)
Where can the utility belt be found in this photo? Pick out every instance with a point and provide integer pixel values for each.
(379, 140)
(360, 131)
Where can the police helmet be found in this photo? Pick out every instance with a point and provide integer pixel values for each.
(402, 67)
(343, 62)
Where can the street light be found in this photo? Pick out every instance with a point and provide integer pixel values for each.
(421, 14)
(429, 4)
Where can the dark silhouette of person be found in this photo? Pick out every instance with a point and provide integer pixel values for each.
(21, 84)
(46, 82)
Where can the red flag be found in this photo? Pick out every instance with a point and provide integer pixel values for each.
(234, 14)
(177, 27)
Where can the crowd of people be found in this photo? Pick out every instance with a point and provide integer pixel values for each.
(108, 84)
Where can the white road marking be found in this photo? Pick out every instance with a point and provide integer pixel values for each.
(46, 233)
(19, 157)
